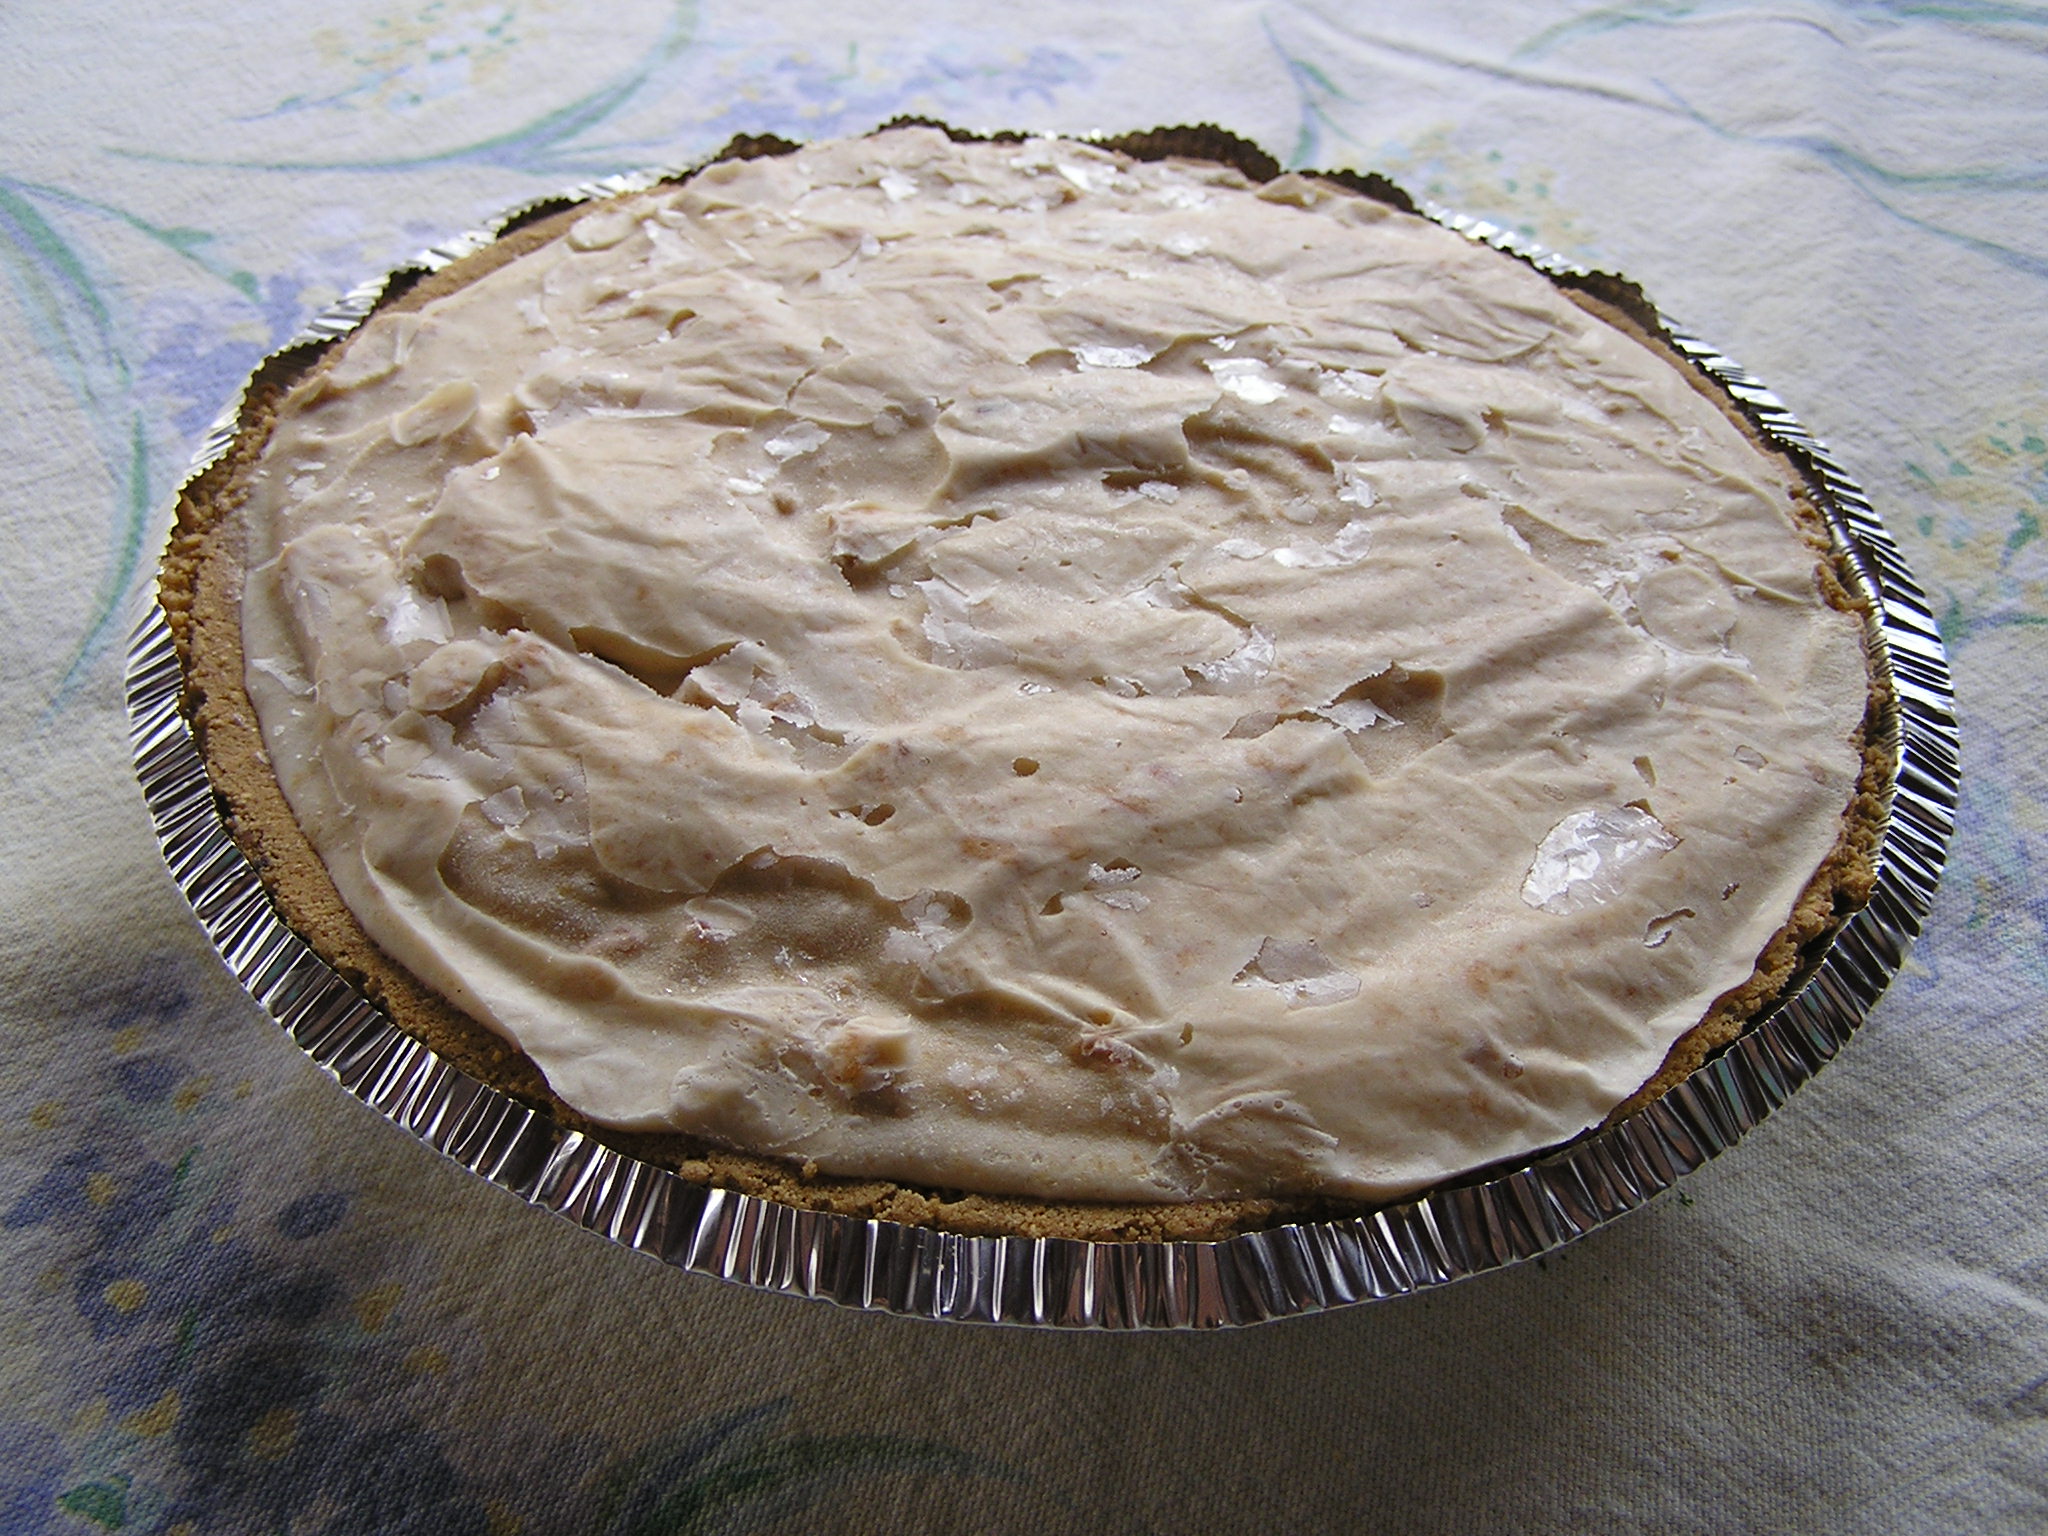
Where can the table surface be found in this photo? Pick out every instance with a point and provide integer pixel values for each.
(235, 1300)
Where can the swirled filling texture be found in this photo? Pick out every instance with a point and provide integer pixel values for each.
(1011, 669)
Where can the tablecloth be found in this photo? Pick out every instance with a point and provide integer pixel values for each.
(236, 1300)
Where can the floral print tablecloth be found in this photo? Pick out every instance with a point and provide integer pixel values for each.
(234, 1300)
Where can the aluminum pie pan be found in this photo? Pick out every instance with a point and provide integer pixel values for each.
(1475, 1225)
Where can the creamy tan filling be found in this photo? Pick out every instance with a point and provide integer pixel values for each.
(1005, 668)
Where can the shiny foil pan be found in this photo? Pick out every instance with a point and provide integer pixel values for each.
(1463, 1229)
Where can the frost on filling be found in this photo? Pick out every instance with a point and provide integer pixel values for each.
(1298, 971)
(1586, 859)
(1013, 669)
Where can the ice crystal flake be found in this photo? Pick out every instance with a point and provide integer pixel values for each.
(1353, 488)
(1246, 378)
(1243, 668)
(1357, 715)
(954, 640)
(1586, 858)
(1353, 540)
(804, 437)
(1300, 972)
(1346, 384)
(1113, 357)
(406, 618)
(932, 923)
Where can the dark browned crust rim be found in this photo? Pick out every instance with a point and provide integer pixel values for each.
(199, 592)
